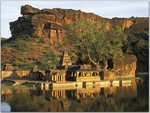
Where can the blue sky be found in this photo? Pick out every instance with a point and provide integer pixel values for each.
(10, 10)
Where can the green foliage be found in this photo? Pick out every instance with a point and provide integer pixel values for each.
(22, 45)
(131, 38)
(50, 56)
(95, 41)
(146, 43)
(41, 40)
(43, 64)
(21, 65)
(35, 36)
(26, 37)
(2, 67)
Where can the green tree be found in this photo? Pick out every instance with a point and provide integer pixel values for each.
(95, 41)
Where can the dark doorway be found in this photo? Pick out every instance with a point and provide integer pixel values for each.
(110, 64)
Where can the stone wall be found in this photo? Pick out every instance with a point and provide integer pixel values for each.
(88, 78)
(6, 74)
(15, 74)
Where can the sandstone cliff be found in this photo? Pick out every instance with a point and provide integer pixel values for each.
(47, 23)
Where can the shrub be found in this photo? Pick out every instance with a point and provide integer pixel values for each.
(51, 57)
(131, 38)
(2, 67)
(21, 65)
(41, 40)
(43, 64)
(35, 36)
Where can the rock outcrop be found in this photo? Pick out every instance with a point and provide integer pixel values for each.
(48, 23)
(122, 67)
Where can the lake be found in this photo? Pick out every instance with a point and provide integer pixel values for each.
(122, 98)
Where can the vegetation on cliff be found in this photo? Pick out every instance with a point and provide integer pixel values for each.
(95, 41)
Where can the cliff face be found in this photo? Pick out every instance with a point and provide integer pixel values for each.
(46, 24)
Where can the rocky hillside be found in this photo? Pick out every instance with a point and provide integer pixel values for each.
(37, 36)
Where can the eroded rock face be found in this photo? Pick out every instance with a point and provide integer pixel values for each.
(48, 23)
(27, 9)
(125, 66)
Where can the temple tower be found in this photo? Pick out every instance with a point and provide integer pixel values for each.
(66, 61)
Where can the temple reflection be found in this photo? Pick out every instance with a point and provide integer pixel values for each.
(81, 93)
(80, 99)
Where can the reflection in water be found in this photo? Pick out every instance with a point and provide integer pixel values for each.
(84, 99)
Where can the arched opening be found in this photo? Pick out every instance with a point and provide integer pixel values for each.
(79, 74)
(110, 64)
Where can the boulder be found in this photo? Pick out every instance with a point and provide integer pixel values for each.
(126, 65)
(27, 9)
(123, 66)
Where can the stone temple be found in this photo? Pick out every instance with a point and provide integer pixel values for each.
(69, 72)
(66, 71)
(66, 61)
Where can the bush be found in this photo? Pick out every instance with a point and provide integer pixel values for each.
(2, 67)
(35, 36)
(21, 65)
(41, 41)
(131, 38)
(43, 64)
(51, 56)
(26, 37)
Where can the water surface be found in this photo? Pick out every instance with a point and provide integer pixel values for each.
(121, 98)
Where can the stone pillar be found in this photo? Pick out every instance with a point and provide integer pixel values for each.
(74, 74)
(52, 78)
(82, 74)
(46, 86)
(56, 78)
(63, 78)
(83, 95)
(42, 86)
(90, 73)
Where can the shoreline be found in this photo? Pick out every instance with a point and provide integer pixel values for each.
(45, 85)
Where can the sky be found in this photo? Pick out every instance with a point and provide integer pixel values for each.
(10, 10)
